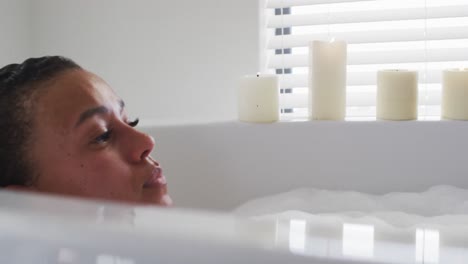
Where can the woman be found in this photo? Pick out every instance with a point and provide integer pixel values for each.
(63, 130)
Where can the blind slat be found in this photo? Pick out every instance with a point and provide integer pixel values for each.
(376, 57)
(372, 36)
(289, 3)
(355, 99)
(431, 112)
(368, 16)
(354, 78)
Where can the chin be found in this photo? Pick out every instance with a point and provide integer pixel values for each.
(158, 199)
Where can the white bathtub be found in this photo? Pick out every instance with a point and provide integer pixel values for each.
(42, 229)
(217, 167)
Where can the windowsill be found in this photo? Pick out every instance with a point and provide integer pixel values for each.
(146, 123)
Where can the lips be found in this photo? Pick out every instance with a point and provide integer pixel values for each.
(156, 179)
(155, 186)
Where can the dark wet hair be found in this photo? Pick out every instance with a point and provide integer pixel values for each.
(19, 84)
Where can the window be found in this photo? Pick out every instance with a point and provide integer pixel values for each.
(424, 35)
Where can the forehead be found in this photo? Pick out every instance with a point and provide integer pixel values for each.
(69, 94)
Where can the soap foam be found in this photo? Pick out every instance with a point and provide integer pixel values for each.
(438, 206)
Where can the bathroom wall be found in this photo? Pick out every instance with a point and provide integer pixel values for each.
(223, 165)
(170, 60)
(15, 32)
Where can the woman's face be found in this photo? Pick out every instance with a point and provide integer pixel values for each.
(85, 145)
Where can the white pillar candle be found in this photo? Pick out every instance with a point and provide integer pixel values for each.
(455, 94)
(258, 99)
(397, 95)
(327, 80)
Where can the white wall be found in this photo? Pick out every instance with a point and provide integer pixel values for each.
(14, 31)
(169, 60)
(223, 165)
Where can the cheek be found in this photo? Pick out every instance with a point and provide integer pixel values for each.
(105, 174)
(86, 173)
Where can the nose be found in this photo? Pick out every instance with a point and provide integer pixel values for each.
(140, 145)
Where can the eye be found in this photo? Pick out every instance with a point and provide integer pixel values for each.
(103, 138)
(134, 123)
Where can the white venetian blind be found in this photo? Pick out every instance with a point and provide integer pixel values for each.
(423, 35)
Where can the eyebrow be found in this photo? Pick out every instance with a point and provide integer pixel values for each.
(96, 111)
